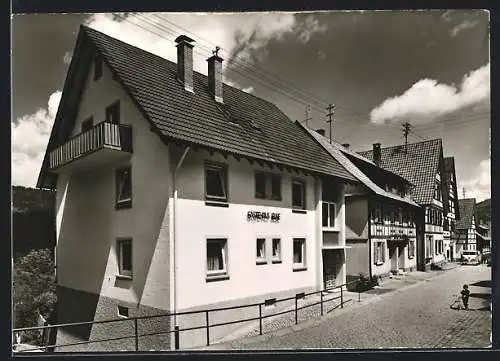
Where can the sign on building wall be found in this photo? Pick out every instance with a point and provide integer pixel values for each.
(255, 216)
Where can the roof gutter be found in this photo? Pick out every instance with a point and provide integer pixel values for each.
(174, 231)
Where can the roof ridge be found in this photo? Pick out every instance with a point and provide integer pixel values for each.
(402, 145)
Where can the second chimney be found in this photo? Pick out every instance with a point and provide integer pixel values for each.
(321, 132)
(185, 61)
(215, 83)
(376, 153)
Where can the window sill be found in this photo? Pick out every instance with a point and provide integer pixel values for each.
(123, 277)
(275, 261)
(215, 278)
(379, 263)
(123, 204)
(216, 204)
(411, 257)
(262, 261)
(301, 211)
(331, 229)
(299, 269)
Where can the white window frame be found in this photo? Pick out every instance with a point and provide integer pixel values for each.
(120, 175)
(303, 193)
(263, 258)
(302, 265)
(329, 225)
(379, 253)
(220, 273)
(276, 258)
(124, 273)
(220, 168)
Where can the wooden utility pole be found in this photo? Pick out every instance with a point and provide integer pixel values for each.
(308, 110)
(406, 130)
(330, 114)
(463, 191)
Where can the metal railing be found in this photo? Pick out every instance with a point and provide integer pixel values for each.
(324, 300)
(117, 136)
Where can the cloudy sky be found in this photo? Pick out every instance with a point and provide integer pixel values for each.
(380, 69)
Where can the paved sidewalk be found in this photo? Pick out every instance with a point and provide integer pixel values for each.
(309, 316)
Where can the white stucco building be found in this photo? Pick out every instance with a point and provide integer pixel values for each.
(177, 192)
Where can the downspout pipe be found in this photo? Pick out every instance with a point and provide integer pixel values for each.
(174, 206)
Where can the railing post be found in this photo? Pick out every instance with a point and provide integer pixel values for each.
(260, 318)
(136, 335)
(208, 329)
(341, 297)
(176, 336)
(296, 318)
(321, 301)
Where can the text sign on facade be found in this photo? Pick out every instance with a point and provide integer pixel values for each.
(263, 216)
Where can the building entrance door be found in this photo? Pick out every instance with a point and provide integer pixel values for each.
(329, 268)
(394, 255)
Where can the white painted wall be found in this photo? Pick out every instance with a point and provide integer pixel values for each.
(196, 222)
(88, 223)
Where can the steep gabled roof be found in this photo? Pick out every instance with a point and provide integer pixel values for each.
(419, 165)
(337, 151)
(244, 125)
(467, 208)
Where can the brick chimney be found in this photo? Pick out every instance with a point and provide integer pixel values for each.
(346, 145)
(185, 61)
(321, 132)
(215, 76)
(376, 153)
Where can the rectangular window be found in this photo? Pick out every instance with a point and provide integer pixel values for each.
(299, 253)
(261, 251)
(428, 247)
(260, 185)
(267, 186)
(217, 258)
(276, 187)
(298, 194)
(276, 250)
(113, 113)
(329, 213)
(123, 185)
(216, 182)
(378, 213)
(400, 216)
(411, 249)
(97, 67)
(379, 256)
(124, 247)
(87, 124)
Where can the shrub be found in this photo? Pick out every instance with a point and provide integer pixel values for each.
(34, 291)
(364, 283)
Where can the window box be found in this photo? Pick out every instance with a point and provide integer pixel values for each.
(216, 189)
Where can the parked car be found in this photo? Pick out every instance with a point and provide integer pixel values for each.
(471, 257)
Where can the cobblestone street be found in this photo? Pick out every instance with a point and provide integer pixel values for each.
(418, 315)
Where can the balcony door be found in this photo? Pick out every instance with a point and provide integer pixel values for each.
(113, 113)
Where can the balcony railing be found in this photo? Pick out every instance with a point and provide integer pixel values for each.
(102, 135)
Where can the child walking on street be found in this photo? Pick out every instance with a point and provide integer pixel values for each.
(465, 296)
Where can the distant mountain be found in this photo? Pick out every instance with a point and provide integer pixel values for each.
(33, 219)
(483, 211)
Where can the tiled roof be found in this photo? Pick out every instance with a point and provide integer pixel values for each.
(243, 125)
(467, 208)
(336, 150)
(419, 165)
(449, 168)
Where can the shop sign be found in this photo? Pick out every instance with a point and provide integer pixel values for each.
(255, 216)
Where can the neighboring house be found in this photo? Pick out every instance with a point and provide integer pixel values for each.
(380, 216)
(33, 225)
(422, 164)
(483, 237)
(451, 209)
(177, 192)
(466, 226)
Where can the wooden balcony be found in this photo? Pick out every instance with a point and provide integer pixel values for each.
(104, 143)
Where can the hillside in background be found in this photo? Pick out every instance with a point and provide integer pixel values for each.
(33, 220)
(483, 210)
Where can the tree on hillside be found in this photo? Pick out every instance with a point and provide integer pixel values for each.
(34, 290)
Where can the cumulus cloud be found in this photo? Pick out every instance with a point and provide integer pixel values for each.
(30, 135)
(479, 186)
(466, 24)
(428, 99)
(238, 35)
